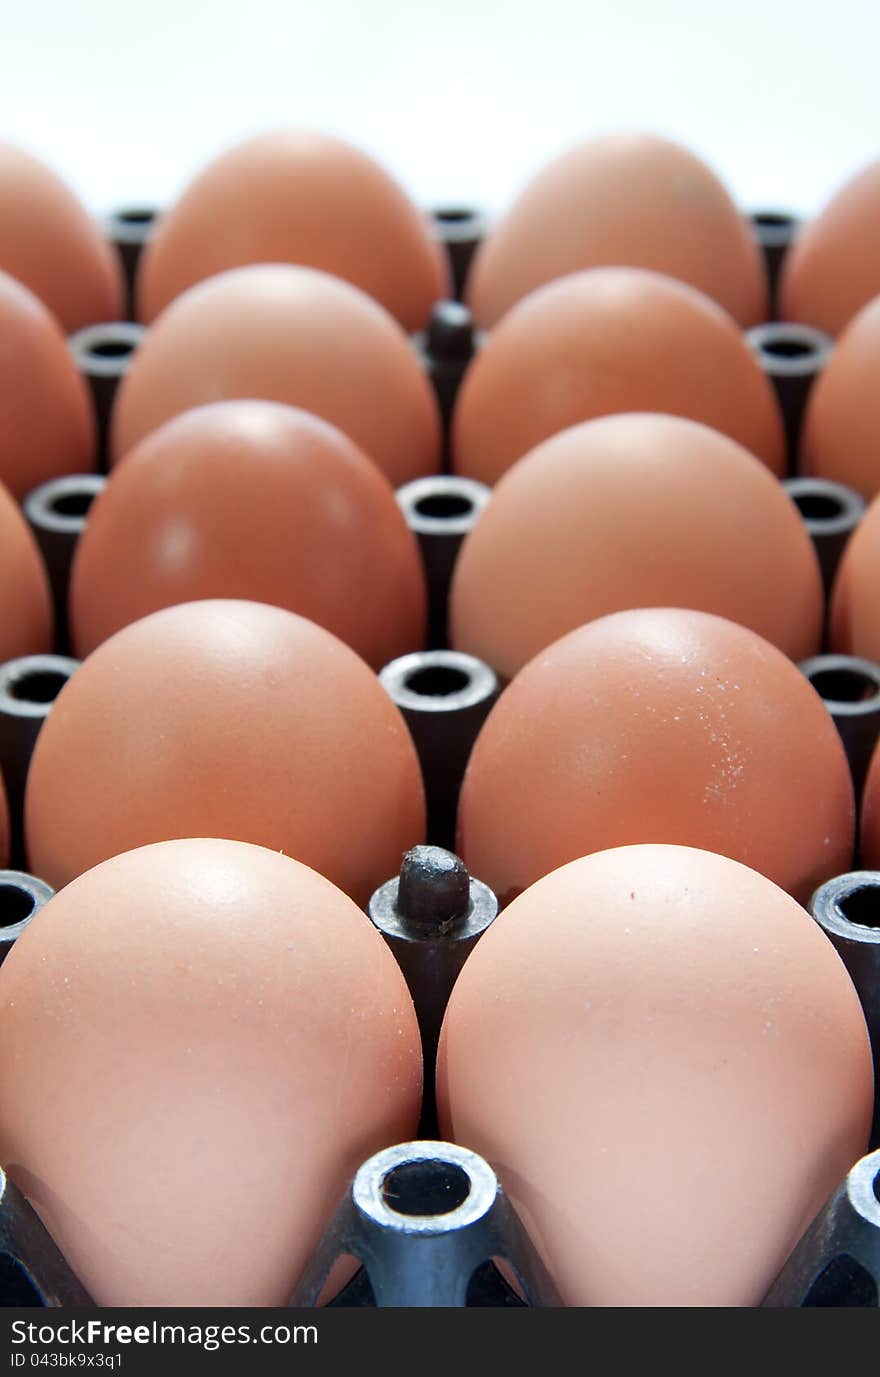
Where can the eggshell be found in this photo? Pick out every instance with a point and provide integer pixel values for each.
(252, 500)
(833, 268)
(50, 243)
(26, 613)
(631, 199)
(609, 340)
(666, 1061)
(632, 511)
(297, 197)
(46, 416)
(840, 438)
(869, 840)
(226, 719)
(292, 335)
(854, 623)
(201, 1042)
(658, 725)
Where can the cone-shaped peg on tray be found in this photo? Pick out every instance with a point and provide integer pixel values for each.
(440, 511)
(831, 512)
(29, 686)
(432, 915)
(775, 231)
(129, 228)
(445, 697)
(33, 1271)
(837, 1262)
(847, 910)
(447, 346)
(57, 512)
(423, 1218)
(21, 898)
(850, 687)
(461, 230)
(792, 356)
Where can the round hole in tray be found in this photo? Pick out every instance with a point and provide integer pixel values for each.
(819, 506)
(444, 505)
(844, 685)
(791, 348)
(773, 219)
(862, 907)
(16, 904)
(111, 349)
(426, 1188)
(453, 215)
(437, 681)
(41, 686)
(72, 503)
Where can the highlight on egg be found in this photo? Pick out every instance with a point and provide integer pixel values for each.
(296, 196)
(666, 1062)
(658, 725)
(286, 334)
(604, 341)
(203, 1040)
(627, 199)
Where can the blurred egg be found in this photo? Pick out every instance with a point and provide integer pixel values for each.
(46, 418)
(252, 500)
(841, 430)
(667, 1062)
(633, 511)
(225, 719)
(26, 613)
(201, 1042)
(298, 197)
(833, 268)
(855, 609)
(50, 243)
(622, 199)
(291, 335)
(658, 725)
(608, 340)
(869, 839)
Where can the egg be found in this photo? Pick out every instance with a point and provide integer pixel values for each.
(26, 613)
(286, 334)
(658, 725)
(227, 719)
(603, 341)
(294, 196)
(631, 511)
(259, 501)
(869, 837)
(840, 438)
(50, 243)
(854, 621)
(832, 269)
(666, 1061)
(631, 199)
(218, 1038)
(45, 410)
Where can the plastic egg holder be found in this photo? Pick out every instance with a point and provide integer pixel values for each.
(414, 1212)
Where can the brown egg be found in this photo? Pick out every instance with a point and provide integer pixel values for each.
(219, 1038)
(608, 340)
(298, 197)
(855, 614)
(225, 719)
(658, 725)
(666, 1061)
(50, 243)
(26, 613)
(833, 268)
(46, 418)
(841, 431)
(869, 839)
(623, 199)
(632, 511)
(252, 500)
(287, 335)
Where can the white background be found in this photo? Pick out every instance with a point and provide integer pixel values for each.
(461, 100)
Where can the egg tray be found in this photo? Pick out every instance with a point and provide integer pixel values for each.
(426, 1219)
